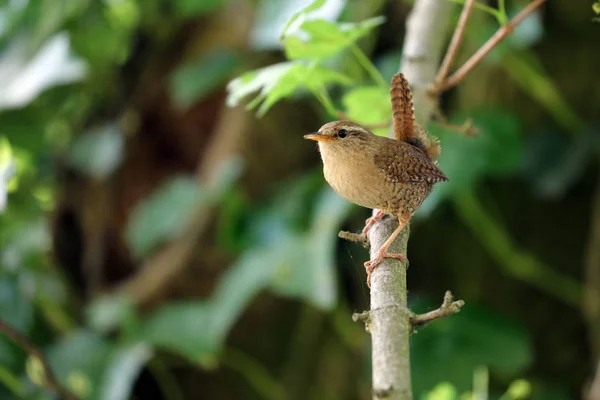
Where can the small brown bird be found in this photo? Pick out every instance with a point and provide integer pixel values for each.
(393, 176)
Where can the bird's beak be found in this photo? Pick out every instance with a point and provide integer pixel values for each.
(318, 137)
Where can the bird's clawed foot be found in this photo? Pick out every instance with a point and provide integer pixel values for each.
(371, 264)
(370, 222)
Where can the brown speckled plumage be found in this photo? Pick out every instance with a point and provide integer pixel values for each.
(377, 172)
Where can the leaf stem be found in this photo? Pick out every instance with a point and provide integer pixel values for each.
(502, 17)
(368, 66)
(323, 97)
(490, 10)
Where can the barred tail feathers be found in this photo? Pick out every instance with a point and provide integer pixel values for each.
(405, 127)
(402, 108)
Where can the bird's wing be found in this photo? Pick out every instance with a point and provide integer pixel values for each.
(401, 162)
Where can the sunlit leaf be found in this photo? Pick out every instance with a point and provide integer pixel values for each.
(369, 105)
(280, 81)
(125, 13)
(99, 151)
(274, 16)
(442, 391)
(23, 79)
(163, 214)
(320, 39)
(7, 171)
(195, 79)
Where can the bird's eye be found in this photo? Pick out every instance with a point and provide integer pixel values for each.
(342, 133)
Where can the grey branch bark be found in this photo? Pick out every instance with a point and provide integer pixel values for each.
(389, 318)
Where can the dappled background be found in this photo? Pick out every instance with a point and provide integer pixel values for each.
(159, 240)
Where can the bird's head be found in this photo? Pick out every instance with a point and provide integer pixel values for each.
(340, 135)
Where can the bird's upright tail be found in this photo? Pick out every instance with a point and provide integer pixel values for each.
(405, 127)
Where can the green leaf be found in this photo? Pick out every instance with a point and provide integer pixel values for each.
(100, 41)
(314, 6)
(280, 81)
(162, 215)
(124, 13)
(330, 212)
(320, 39)
(273, 17)
(24, 78)
(7, 171)
(196, 79)
(79, 361)
(184, 328)
(18, 312)
(306, 269)
(98, 152)
(451, 348)
(122, 370)
(109, 312)
(202, 326)
(369, 105)
(195, 8)
(496, 151)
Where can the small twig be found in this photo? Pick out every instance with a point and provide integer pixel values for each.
(476, 58)
(466, 128)
(354, 237)
(455, 42)
(448, 307)
(362, 316)
(50, 381)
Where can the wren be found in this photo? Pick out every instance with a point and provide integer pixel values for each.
(393, 176)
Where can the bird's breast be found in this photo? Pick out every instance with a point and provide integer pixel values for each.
(356, 181)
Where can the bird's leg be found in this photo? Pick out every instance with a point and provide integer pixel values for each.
(382, 252)
(370, 222)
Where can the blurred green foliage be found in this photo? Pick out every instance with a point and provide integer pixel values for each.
(60, 64)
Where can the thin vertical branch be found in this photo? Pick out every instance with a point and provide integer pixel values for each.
(476, 58)
(389, 320)
(455, 42)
